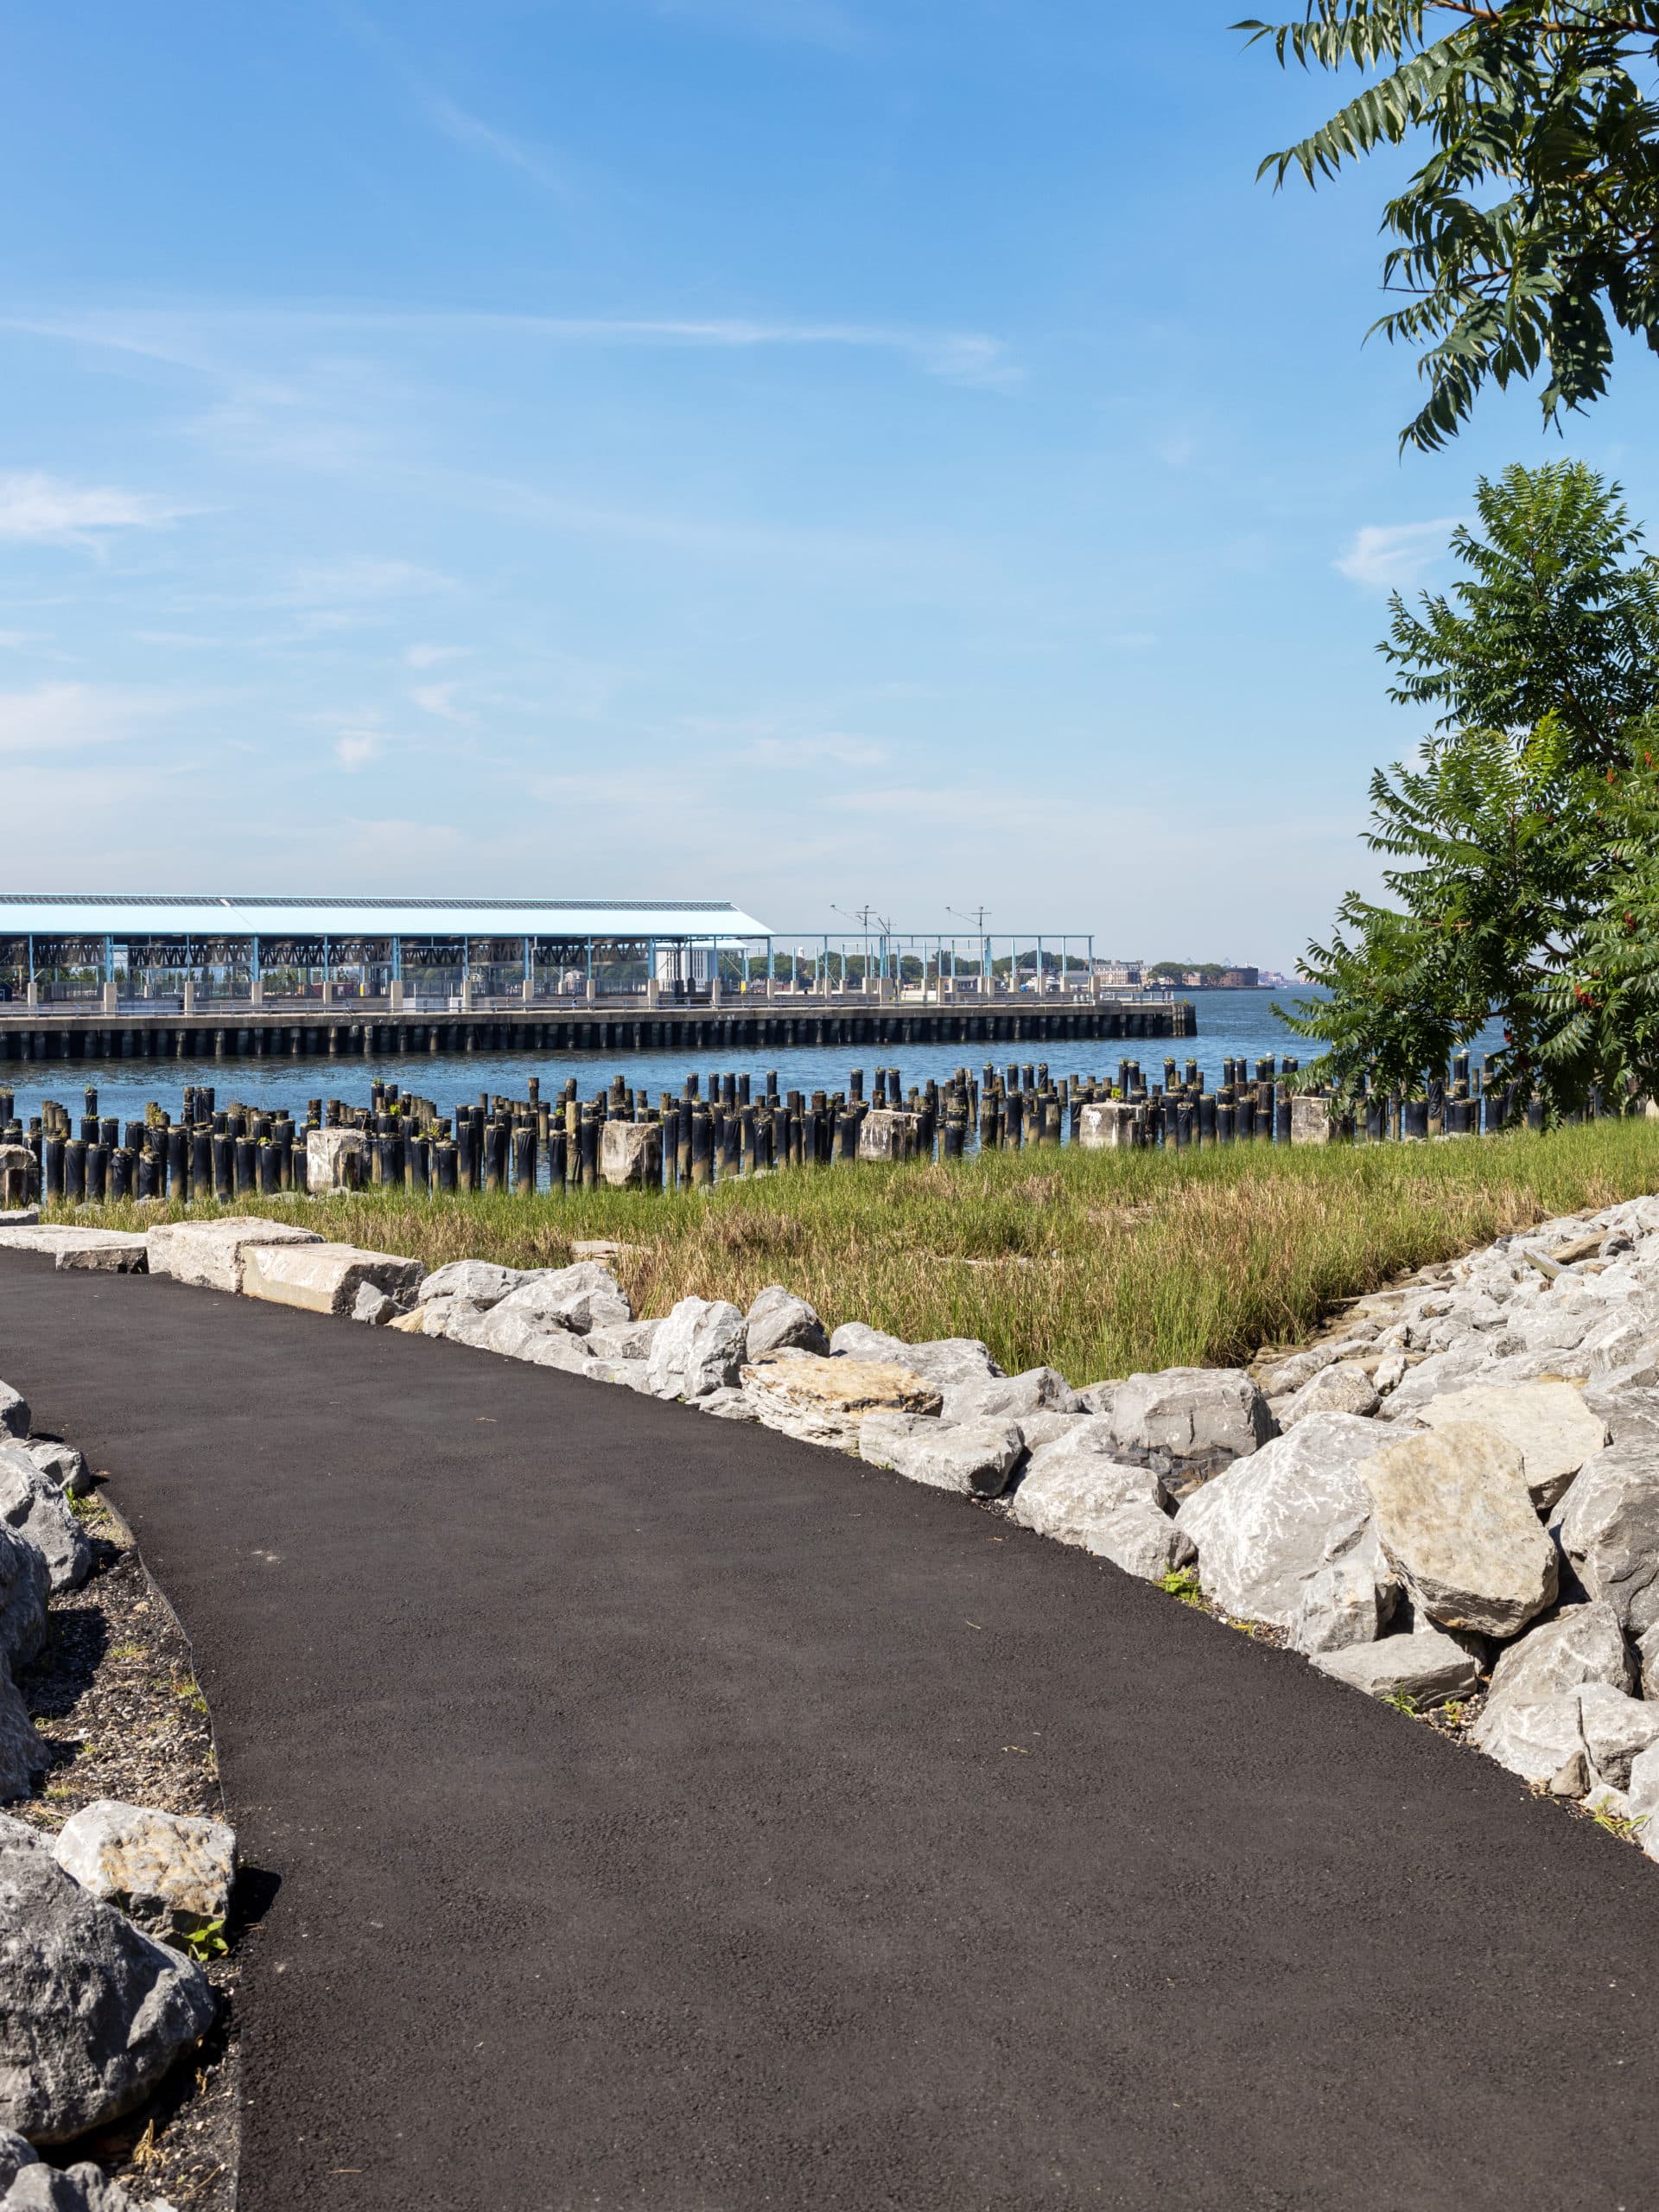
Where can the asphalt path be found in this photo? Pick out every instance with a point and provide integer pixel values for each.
(670, 1815)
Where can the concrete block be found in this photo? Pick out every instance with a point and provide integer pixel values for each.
(334, 1161)
(327, 1278)
(117, 1251)
(886, 1134)
(1107, 1125)
(16, 1162)
(631, 1154)
(211, 1255)
(1310, 1118)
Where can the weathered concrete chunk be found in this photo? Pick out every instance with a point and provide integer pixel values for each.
(1310, 1118)
(335, 1161)
(1584, 1643)
(976, 1456)
(1108, 1125)
(13, 1412)
(699, 1348)
(582, 1297)
(95, 2013)
(1455, 1518)
(1548, 1423)
(327, 1278)
(1203, 1414)
(778, 1321)
(212, 1255)
(885, 1133)
(631, 1154)
(1608, 1527)
(1427, 1667)
(826, 1401)
(24, 1584)
(123, 1250)
(1343, 1388)
(104, 1252)
(170, 1872)
(1268, 1526)
(1074, 1491)
(32, 1506)
(22, 1755)
(478, 1281)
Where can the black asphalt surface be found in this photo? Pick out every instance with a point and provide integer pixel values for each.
(669, 1815)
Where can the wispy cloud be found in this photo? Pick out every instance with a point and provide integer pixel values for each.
(39, 509)
(457, 124)
(1388, 556)
(434, 656)
(364, 579)
(355, 748)
(439, 699)
(53, 718)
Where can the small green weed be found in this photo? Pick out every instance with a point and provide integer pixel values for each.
(125, 1651)
(1625, 1825)
(1401, 1701)
(204, 1943)
(187, 1691)
(1182, 1582)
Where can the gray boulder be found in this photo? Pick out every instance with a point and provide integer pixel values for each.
(1617, 1730)
(974, 1456)
(62, 1464)
(580, 1298)
(33, 1507)
(1076, 1492)
(854, 1340)
(1648, 1663)
(1540, 1739)
(623, 1340)
(518, 1336)
(699, 1348)
(1275, 1519)
(373, 1306)
(778, 1321)
(1343, 1605)
(1203, 1417)
(1099, 1399)
(1039, 1390)
(22, 1755)
(1608, 1528)
(24, 1584)
(82, 2188)
(1456, 1521)
(1427, 1667)
(478, 1282)
(170, 1872)
(13, 1412)
(1343, 1388)
(95, 2013)
(960, 1369)
(1583, 1644)
(1041, 1429)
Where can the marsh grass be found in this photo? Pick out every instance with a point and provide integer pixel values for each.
(1096, 1263)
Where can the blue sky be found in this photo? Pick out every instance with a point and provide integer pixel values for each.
(803, 451)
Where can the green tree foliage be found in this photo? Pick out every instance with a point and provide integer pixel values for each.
(1524, 843)
(1529, 231)
(1558, 615)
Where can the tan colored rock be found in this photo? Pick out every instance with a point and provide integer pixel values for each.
(211, 1255)
(1455, 1519)
(414, 1325)
(631, 1154)
(171, 1873)
(824, 1401)
(325, 1278)
(1548, 1424)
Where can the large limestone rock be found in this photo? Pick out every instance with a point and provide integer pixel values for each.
(1343, 1388)
(1566, 1741)
(1584, 1643)
(479, 1282)
(29, 2184)
(1548, 1423)
(1202, 1416)
(625, 1341)
(516, 1336)
(1275, 1519)
(778, 1321)
(699, 1348)
(24, 1582)
(960, 1369)
(1073, 1491)
(22, 1755)
(631, 1154)
(581, 1298)
(856, 1340)
(62, 1464)
(212, 1255)
(1344, 1604)
(1039, 1390)
(1617, 1728)
(13, 1412)
(94, 2012)
(327, 1278)
(335, 1161)
(170, 1872)
(826, 1400)
(1608, 1528)
(1455, 1519)
(119, 1251)
(1425, 1666)
(976, 1456)
(32, 1506)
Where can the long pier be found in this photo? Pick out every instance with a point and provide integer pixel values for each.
(91, 1032)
